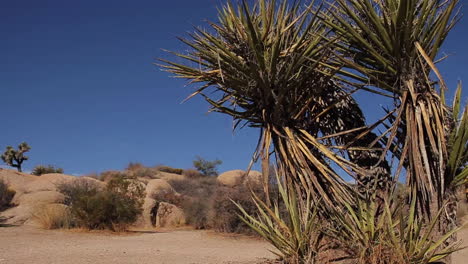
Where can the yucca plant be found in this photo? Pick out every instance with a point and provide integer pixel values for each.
(294, 231)
(390, 233)
(267, 63)
(389, 46)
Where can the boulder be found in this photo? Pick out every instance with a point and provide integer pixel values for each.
(48, 182)
(253, 178)
(40, 198)
(16, 180)
(28, 203)
(149, 213)
(231, 178)
(158, 187)
(169, 215)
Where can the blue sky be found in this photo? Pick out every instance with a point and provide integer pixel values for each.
(77, 82)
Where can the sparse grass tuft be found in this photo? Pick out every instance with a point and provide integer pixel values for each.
(53, 216)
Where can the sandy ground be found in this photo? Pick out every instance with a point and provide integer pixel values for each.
(29, 245)
(460, 257)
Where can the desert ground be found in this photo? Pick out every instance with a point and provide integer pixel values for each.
(30, 245)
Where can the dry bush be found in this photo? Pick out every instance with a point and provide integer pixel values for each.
(169, 169)
(192, 173)
(53, 216)
(225, 213)
(134, 166)
(6, 195)
(194, 187)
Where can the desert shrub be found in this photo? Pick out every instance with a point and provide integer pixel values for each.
(40, 169)
(191, 173)
(198, 212)
(194, 186)
(53, 216)
(225, 214)
(170, 170)
(6, 195)
(205, 167)
(169, 197)
(106, 176)
(133, 166)
(114, 208)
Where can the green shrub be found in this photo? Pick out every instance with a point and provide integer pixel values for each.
(205, 167)
(6, 195)
(115, 207)
(170, 170)
(40, 170)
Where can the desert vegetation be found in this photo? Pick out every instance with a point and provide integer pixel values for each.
(113, 207)
(292, 69)
(6, 195)
(15, 158)
(41, 169)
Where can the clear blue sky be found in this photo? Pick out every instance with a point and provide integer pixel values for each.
(78, 84)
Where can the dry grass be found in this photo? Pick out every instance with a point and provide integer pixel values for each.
(53, 216)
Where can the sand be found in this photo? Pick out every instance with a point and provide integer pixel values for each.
(30, 245)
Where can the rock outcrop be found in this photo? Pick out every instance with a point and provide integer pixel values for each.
(169, 215)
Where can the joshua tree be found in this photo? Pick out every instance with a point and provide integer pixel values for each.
(269, 66)
(15, 158)
(392, 45)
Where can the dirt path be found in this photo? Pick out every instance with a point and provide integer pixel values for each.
(28, 245)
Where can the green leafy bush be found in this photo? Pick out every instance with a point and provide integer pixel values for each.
(6, 195)
(115, 207)
(205, 167)
(40, 170)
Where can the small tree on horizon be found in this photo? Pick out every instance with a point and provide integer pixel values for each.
(15, 158)
(205, 167)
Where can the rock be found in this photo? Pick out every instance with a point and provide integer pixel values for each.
(169, 215)
(158, 187)
(231, 178)
(149, 213)
(41, 198)
(254, 178)
(16, 180)
(28, 203)
(48, 182)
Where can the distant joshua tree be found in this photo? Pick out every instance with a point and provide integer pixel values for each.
(15, 158)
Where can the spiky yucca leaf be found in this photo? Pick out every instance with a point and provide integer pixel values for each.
(295, 231)
(458, 143)
(390, 234)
